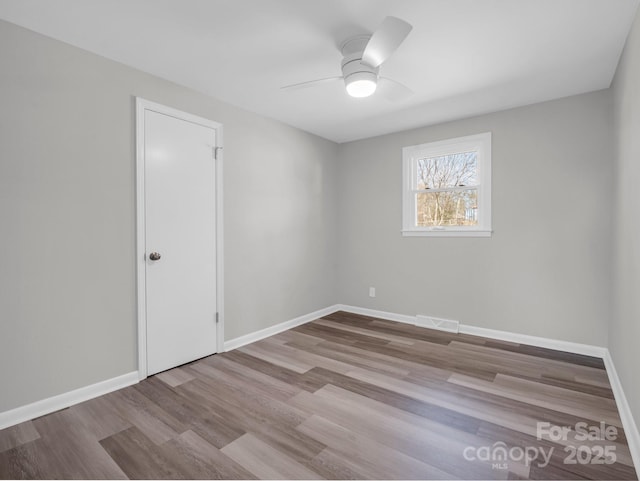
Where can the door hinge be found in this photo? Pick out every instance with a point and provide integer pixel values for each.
(217, 318)
(215, 152)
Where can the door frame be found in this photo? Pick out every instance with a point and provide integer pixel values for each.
(143, 105)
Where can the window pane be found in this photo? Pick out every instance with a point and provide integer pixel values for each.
(453, 170)
(447, 208)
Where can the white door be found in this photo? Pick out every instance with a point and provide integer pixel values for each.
(180, 240)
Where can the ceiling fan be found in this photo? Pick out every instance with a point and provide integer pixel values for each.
(362, 57)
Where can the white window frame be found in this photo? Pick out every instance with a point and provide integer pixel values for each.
(480, 143)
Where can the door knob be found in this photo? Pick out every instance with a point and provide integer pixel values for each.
(154, 256)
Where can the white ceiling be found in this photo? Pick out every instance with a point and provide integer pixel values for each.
(463, 57)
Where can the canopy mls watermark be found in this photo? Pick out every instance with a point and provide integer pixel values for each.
(583, 443)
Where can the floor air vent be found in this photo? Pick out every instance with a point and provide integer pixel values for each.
(439, 324)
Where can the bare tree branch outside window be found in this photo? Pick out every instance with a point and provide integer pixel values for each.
(447, 190)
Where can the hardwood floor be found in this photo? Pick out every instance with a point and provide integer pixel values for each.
(343, 397)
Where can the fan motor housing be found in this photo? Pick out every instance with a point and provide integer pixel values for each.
(352, 51)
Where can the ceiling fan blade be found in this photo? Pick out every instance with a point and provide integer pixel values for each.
(393, 91)
(385, 41)
(310, 83)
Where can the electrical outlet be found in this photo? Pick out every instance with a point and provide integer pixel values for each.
(372, 292)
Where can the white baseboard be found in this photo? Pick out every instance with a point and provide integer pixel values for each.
(389, 316)
(55, 403)
(566, 346)
(628, 423)
(283, 326)
(61, 401)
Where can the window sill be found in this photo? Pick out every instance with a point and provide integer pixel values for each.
(447, 233)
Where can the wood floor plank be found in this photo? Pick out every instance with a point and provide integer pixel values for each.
(15, 436)
(139, 457)
(234, 380)
(245, 402)
(283, 374)
(343, 397)
(175, 377)
(541, 352)
(434, 354)
(267, 384)
(449, 434)
(312, 359)
(331, 466)
(198, 459)
(372, 359)
(435, 413)
(572, 383)
(149, 418)
(290, 441)
(365, 332)
(558, 399)
(276, 358)
(266, 462)
(67, 450)
(503, 412)
(168, 400)
(338, 336)
(216, 430)
(523, 361)
(429, 447)
(367, 455)
(22, 462)
(298, 338)
(242, 414)
(266, 417)
(100, 416)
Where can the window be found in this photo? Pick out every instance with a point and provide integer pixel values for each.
(447, 187)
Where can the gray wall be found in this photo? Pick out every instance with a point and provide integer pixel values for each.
(67, 214)
(547, 269)
(624, 330)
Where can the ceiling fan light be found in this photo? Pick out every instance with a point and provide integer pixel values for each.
(361, 84)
